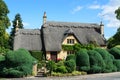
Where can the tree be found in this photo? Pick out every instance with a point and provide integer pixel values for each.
(117, 12)
(4, 23)
(115, 40)
(12, 33)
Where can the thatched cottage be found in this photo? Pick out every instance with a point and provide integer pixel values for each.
(53, 35)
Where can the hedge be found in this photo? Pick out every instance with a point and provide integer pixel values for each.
(17, 62)
(97, 64)
(70, 65)
(82, 60)
(117, 64)
(115, 52)
(71, 56)
(108, 60)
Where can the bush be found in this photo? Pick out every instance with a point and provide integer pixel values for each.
(115, 52)
(61, 69)
(117, 64)
(70, 65)
(12, 73)
(95, 69)
(51, 66)
(96, 62)
(82, 60)
(2, 58)
(71, 56)
(19, 61)
(108, 60)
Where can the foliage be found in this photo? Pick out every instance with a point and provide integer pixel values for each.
(70, 65)
(4, 23)
(38, 55)
(74, 73)
(117, 12)
(51, 66)
(68, 47)
(115, 52)
(71, 56)
(2, 58)
(82, 60)
(108, 59)
(90, 46)
(77, 47)
(3, 51)
(115, 40)
(117, 64)
(12, 33)
(97, 64)
(20, 61)
(61, 69)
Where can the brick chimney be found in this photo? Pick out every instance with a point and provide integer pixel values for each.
(44, 18)
(102, 28)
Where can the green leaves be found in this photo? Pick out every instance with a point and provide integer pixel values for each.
(117, 12)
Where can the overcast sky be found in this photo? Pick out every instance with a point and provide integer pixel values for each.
(85, 11)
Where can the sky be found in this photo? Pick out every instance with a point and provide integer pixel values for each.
(83, 11)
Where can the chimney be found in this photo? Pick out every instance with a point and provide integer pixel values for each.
(44, 18)
(102, 28)
(17, 28)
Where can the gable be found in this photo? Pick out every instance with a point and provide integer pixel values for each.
(69, 37)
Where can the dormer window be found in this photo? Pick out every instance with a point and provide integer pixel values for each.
(70, 41)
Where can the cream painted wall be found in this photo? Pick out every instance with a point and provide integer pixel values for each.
(48, 56)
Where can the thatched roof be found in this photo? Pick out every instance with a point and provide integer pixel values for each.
(52, 34)
(29, 39)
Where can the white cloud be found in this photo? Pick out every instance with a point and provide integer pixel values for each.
(108, 13)
(25, 24)
(78, 8)
(94, 6)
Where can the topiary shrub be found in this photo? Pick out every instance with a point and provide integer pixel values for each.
(115, 52)
(82, 60)
(117, 64)
(20, 61)
(70, 65)
(71, 56)
(97, 64)
(108, 59)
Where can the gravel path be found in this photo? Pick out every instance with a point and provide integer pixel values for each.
(104, 76)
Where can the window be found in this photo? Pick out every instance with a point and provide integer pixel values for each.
(70, 52)
(70, 41)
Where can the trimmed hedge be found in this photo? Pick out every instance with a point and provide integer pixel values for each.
(82, 60)
(117, 64)
(71, 56)
(108, 59)
(70, 65)
(115, 52)
(17, 63)
(97, 64)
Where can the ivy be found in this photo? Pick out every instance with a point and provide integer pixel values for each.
(77, 47)
(68, 47)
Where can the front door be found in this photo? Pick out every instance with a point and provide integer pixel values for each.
(54, 56)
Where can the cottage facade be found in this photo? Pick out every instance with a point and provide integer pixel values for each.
(53, 35)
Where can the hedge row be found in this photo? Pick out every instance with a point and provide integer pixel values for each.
(97, 60)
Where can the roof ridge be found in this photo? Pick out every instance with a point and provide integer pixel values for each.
(72, 24)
